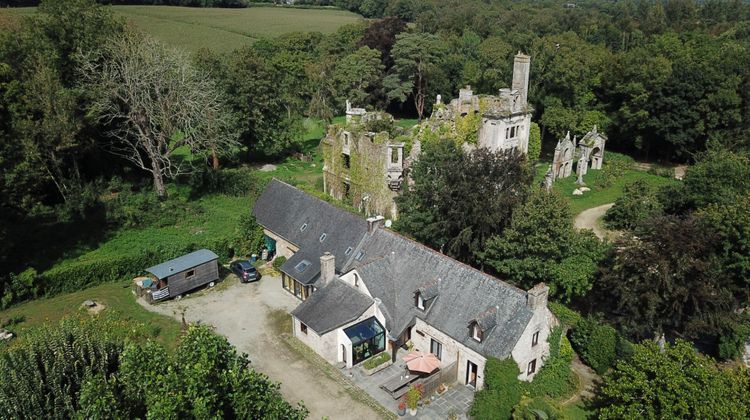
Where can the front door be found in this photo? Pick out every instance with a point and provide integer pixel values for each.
(471, 374)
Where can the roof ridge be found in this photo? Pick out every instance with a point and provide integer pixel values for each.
(324, 202)
(462, 264)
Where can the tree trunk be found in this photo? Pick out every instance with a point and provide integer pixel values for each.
(161, 190)
(214, 158)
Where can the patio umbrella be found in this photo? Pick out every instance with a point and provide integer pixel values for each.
(418, 361)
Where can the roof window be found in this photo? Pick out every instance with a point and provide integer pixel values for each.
(302, 266)
(348, 251)
(303, 227)
(323, 237)
(360, 255)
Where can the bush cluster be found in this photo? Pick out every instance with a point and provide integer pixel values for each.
(95, 368)
(235, 182)
(504, 395)
(278, 262)
(599, 345)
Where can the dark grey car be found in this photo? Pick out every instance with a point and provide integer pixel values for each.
(245, 271)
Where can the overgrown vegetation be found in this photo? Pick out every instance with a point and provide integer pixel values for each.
(92, 367)
(504, 395)
(377, 360)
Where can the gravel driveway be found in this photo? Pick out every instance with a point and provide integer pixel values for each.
(241, 312)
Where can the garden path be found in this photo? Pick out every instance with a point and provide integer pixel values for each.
(590, 219)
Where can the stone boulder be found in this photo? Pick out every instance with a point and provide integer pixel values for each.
(577, 191)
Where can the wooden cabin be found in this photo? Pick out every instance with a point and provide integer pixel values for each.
(180, 275)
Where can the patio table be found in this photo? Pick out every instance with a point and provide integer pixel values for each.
(399, 384)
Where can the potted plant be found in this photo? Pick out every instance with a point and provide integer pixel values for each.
(412, 399)
(401, 407)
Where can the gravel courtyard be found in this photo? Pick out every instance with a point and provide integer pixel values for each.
(244, 314)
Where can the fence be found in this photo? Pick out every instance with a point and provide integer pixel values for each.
(443, 376)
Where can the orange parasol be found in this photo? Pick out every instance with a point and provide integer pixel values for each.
(418, 361)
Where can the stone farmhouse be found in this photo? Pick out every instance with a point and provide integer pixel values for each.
(365, 289)
(366, 160)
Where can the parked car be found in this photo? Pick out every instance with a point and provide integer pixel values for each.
(245, 271)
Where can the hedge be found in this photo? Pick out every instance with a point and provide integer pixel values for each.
(599, 345)
(81, 274)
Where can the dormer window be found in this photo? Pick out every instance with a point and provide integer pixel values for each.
(420, 302)
(476, 332)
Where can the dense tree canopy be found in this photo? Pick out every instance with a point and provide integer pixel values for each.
(456, 213)
(674, 382)
(541, 246)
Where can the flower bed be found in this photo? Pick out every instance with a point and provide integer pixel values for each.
(377, 363)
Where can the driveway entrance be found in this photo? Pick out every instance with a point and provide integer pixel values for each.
(244, 314)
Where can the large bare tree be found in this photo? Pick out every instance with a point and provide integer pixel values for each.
(162, 113)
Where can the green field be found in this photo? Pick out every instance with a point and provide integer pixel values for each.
(225, 30)
(115, 297)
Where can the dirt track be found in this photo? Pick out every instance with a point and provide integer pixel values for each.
(590, 219)
(242, 313)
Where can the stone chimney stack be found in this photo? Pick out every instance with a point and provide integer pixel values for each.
(536, 297)
(327, 268)
(375, 223)
(521, 69)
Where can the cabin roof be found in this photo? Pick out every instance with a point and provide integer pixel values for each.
(182, 263)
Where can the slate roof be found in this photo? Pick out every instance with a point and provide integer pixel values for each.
(182, 263)
(332, 306)
(284, 209)
(394, 268)
(397, 267)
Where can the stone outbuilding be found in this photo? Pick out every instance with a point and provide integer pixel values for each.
(591, 149)
(562, 162)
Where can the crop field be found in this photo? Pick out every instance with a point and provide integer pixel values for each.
(224, 30)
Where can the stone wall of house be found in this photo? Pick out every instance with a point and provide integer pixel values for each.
(453, 351)
(494, 133)
(329, 345)
(287, 249)
(524, 352)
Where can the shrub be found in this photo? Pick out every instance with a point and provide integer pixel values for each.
(597, 344)
(278, 262)
(502, 390)
(250, 235)
(567, 316)
(555, 379)
(377, 360)
(639, 201)
(534, 409)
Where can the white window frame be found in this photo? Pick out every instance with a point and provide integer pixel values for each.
(475, 332)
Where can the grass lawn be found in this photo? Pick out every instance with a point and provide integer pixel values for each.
(576, 412)
(114, 296)
(223, 29)
(594, 179)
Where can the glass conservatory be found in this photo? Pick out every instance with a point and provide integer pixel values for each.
(368, 339)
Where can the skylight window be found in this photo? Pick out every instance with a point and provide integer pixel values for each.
(348, 251)
(303, 227)
(323, 237)
(360, 255)
(302, 266)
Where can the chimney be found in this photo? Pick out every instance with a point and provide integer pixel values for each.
(521, 68)
(327, 268)
(536, 297)
(374, 223)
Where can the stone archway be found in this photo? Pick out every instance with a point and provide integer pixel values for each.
(596, 158)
